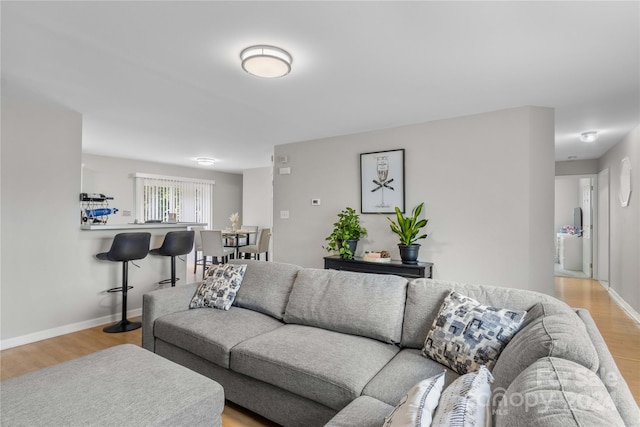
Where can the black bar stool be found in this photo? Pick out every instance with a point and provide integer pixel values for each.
(175, 243)
(125, 247)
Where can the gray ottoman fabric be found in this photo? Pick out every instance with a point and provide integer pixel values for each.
(325, 366)
(123, 385)
(266, 286)
(557, 392)
(369, 305)
(425, 296)
(405, 370)
(365, 411)
(211, 333)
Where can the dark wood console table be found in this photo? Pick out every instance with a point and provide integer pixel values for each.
(410, 271)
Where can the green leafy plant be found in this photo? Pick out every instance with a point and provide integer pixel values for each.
(347, 227)
(408, 227)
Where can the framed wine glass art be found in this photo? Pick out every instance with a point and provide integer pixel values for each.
(382, 181)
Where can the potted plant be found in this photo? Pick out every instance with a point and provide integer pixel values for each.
(346, 233)
(408, 229)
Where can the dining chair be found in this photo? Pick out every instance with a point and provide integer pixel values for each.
(261, 247)
(213, 246)
(242, 241)
(197, 247)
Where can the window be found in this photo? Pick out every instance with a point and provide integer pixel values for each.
(157, 196)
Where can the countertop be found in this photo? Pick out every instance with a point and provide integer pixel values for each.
(146, 226)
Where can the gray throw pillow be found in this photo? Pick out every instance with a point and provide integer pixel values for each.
(466, 334)
(219, 288)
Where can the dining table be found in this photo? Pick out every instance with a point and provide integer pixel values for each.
(232, 238)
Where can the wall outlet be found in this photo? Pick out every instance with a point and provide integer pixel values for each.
(126, 213)
(284, 214)
(315, 202)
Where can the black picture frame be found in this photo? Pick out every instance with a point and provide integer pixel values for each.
(380, 191)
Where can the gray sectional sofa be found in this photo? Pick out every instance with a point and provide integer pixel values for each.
(309, 347)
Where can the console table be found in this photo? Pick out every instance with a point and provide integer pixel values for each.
(410, 271)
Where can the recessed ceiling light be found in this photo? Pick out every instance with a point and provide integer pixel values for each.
(589, 136)
(205, 161)
(266, 61)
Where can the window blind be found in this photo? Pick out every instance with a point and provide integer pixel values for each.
(157, 196)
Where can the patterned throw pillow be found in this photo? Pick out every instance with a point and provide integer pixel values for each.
(467, 334)
(465, 402)
(220, 287)
(417, 406)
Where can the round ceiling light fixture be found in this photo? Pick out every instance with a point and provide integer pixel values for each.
(589, 136)
(205, 161)
(266, 61)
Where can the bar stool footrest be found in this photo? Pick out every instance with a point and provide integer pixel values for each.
(118, 289)
(165, 281)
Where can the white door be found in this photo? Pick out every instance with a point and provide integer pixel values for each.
(587, 228)
(603, 227)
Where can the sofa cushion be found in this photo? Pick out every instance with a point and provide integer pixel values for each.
(467, 334)
(327, 367)
(211, 334)
(417, 406)
(543, 309)
(562, 336)
(406, 369)
(365, 411)
(466, 401)
(557, 392)
(425, 296)
(266, 286)
(369, 305)
(219, 287)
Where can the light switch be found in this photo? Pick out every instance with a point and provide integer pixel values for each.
(285, 171)
(284, 214)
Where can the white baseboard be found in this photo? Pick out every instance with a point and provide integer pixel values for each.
(66, 329)
(626, 307)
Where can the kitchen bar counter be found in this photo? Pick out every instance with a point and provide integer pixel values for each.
(140, 226)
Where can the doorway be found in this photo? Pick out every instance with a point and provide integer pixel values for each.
(574, 221)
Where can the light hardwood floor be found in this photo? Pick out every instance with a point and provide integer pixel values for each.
(620, 331)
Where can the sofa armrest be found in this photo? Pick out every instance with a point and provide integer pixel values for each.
(160, 303)
(609, 373)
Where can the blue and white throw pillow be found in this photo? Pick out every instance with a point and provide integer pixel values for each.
(220, 286)
(466, 334)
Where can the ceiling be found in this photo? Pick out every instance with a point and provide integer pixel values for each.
(161, 81)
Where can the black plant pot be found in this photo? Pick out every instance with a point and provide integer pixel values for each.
(409, 253)
(352, 244)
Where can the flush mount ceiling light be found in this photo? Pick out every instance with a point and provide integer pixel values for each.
(589, 136)
(266, 61)
(205, 161)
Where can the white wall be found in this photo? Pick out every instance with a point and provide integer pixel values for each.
(50, 282)
(257, 198)
(41, 148)
(577, 167)
(487, 182)
(112, 176)
(624, 269)
(567, 197)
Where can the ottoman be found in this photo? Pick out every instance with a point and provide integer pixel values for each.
(120, 386)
